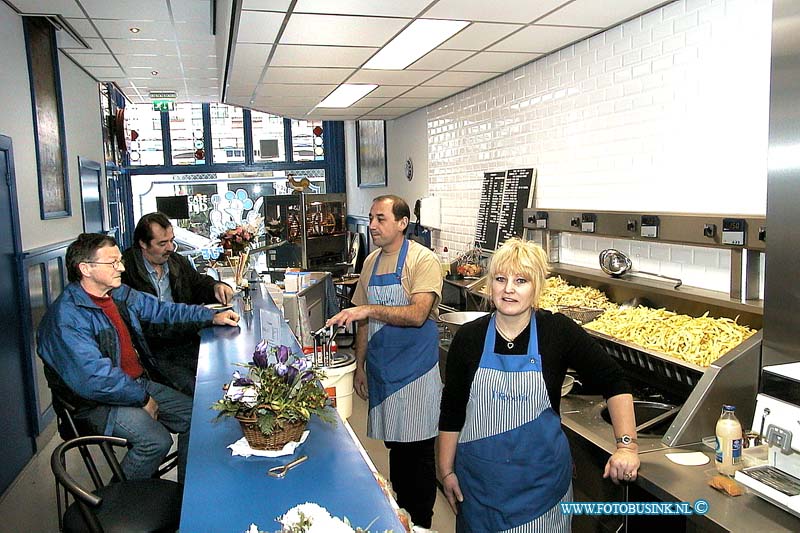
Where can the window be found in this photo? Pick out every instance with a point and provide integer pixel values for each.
(186, 132)
(267, 137)
(148, 148)
(227, 133)
(307, 140)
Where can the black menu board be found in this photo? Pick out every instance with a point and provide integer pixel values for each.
(503, 197)
(488, 211)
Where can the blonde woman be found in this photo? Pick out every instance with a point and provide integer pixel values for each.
(503, 459)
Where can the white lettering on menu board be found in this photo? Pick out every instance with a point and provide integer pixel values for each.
(503, 197)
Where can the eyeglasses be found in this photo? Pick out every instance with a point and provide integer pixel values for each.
(116, 264)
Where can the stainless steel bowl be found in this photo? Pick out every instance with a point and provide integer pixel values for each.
(453, 321)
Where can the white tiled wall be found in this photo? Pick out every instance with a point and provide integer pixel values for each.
(667, 112)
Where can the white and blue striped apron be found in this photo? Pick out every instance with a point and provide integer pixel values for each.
(402, 367)
(513, 461)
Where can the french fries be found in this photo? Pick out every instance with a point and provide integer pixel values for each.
(700, 341)
(558, 292)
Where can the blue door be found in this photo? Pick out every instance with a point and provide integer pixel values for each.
(17, 444)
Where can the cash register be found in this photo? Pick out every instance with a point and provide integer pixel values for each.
(777, 419)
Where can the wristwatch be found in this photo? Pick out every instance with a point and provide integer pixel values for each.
(626, 439)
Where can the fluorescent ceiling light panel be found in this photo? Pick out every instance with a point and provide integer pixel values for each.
(347, 94)
(419, 38)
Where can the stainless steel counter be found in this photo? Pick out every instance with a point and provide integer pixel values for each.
(667, 481)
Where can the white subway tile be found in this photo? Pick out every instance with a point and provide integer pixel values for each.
(681, 254)
(706, 258)
(659, 252)
(639, 250)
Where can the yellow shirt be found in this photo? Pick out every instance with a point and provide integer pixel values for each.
(421, 273)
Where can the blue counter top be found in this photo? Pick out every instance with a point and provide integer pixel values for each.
(226, 494)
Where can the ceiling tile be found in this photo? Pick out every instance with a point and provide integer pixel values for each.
(192, 11)
(413, 103)
(243, 73)
(95, 60)
(394, 111)
(523, 11)
(106, 73)
(432, 92)
(463, 79)
(82, 26)
(149, 62)
(65, 40)
(241, 90)
(194, 31)
(251, 54)
(496, 61)
(334, 114)
(139, 10)
(259, 26)
(120, 29)
(199, 62)
(370, 102)
(381, 114)
(598, 14)
(242, 101)
(284, 101)
(300, 75)
(406, 8)
(391, 77)
(390, 90)
(541, 39)
(440, 59)
(67, 8)
(341, 30)
(142, 46)
(267, 5)
(197, 48)
(320, 56)
(306, 89)
(95, 46)
(478, 36)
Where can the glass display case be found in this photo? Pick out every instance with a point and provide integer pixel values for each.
(307, 231)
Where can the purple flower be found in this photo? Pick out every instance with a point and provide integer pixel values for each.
(307, 375)
(302, 364)
(291, 374)
(281, 369)
(260, 359)
(243, 382)
(282, 354)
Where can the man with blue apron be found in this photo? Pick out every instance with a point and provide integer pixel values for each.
(397, 348)
(512, 460)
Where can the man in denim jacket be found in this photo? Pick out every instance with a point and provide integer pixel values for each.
(95, 355)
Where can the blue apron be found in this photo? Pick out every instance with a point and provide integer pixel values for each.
(402, 366)
(513, 461)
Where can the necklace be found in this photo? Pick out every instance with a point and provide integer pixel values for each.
(508, 338)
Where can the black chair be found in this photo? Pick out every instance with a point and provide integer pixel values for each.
(70, 427)
(121, 506)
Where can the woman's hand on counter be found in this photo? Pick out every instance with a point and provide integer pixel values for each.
(623, 465)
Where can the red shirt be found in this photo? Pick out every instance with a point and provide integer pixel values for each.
(129, 359)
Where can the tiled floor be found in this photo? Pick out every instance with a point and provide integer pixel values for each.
(30, 505)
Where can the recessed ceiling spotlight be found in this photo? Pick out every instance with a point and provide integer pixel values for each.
(154, 72)
(134, 30)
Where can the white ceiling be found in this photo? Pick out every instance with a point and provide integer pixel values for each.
(285, 56)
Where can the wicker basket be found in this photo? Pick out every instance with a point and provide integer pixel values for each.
(292, 431)
(581, 315)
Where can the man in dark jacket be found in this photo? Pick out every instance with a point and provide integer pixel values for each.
(92, 343)
(151, 265)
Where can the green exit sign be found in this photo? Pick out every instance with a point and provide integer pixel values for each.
(163, 105)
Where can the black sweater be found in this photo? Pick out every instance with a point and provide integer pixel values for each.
(562, 344)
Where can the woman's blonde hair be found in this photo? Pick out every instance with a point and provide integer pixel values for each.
(518, 257)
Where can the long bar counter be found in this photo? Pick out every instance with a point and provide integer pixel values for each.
(224, 493)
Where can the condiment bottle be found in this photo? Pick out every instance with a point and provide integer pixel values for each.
(729, 442)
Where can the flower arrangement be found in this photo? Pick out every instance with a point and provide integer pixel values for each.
(239, 239)
(312, 518)
(279, 389)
